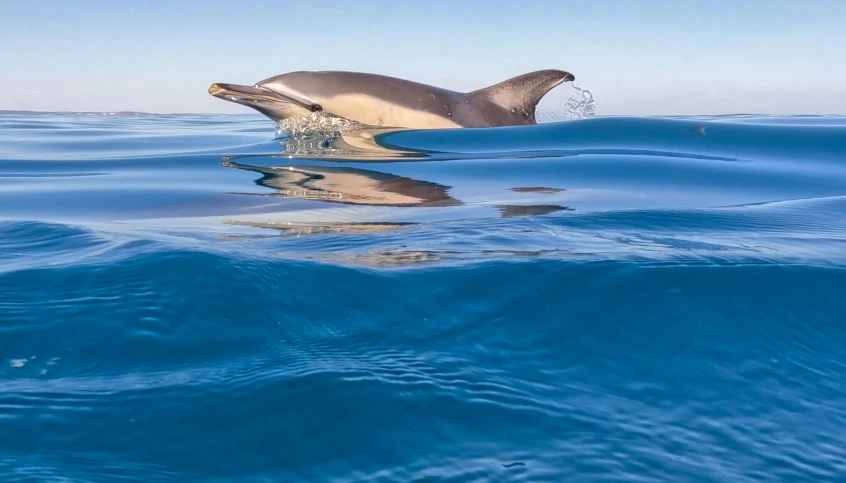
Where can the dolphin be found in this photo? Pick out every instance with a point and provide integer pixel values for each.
(379, 100)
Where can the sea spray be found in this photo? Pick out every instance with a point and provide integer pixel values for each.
(580, 104)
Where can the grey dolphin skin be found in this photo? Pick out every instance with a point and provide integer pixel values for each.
(378, 100)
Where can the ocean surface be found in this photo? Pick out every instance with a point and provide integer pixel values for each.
(205, 298)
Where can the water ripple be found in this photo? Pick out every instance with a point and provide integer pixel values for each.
(609, 299)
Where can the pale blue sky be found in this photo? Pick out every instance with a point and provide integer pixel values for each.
(636, 57)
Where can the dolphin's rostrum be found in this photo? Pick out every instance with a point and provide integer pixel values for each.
(378, 100)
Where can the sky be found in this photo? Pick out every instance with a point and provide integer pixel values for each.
(637, 57)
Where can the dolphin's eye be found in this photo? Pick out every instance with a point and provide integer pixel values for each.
(315, 107)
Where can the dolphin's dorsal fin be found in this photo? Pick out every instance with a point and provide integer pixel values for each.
(521, 94)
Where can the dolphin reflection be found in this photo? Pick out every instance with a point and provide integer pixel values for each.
(349, 186)
(317, 228)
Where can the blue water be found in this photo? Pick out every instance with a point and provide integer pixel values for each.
(191, 298)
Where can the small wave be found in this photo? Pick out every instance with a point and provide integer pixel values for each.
(74, 465)
(173, 363)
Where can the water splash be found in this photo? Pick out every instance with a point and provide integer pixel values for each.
(580, 104)
(310, 141)
(315, 122)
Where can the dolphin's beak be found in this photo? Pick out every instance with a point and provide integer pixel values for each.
(272, 104)
(246, 95)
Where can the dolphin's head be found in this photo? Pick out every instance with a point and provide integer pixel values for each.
(267, 101)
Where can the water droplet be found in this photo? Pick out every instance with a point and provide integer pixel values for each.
(449, 114)
(467, 102)
(513, 111)
(446, 106)
(433, 96)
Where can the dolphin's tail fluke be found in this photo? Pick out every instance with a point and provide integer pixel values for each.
(522, 93)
